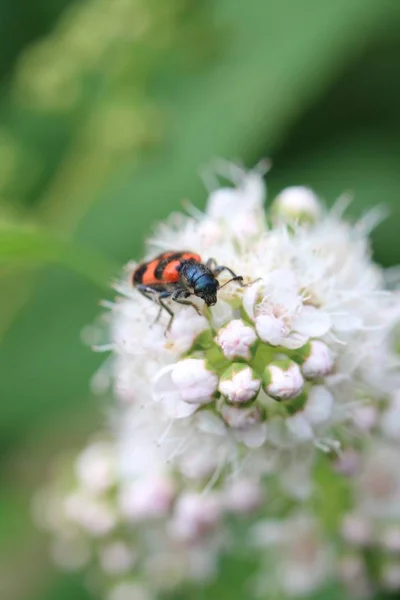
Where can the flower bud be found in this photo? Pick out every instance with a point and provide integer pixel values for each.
(297, 203)
(194, 516)
(236, 339)
(222, 202)
(365, 417)
(196, 384)
(390, 539)
(116, 558)
(247, 423)
(95, 467)
(239, 384)
(319, 405)
(282, 379)
(95, 516)
(318, 360)
(356, 530)
(243, 496)
(300, 427)
(148, 499)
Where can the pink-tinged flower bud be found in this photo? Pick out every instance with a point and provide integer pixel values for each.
(95, 467)
(95, 516)
(297, 203)
(390, 539)
(243, 496)
(356, 530)
(196, 384)
(239, 384)
(182, 387)
(236, 339)
(194, 516)
(282, 380)
(116, 558)
(247, 424)
(150, 498)
(365, 417)
(319, 405)
(318, 360)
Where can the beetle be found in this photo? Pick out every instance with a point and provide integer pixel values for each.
(178, 275)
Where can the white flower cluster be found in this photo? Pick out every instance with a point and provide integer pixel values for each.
(284, 371)
(372, 526)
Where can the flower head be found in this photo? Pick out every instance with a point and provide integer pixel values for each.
(292, 362)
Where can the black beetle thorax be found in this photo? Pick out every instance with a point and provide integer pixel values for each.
(191, 272)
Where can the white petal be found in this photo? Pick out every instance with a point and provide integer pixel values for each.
(318, 408)
(299, 426)
(176, 408)
(253, 436)
(221, 313)
(294, 340)
(348, 322)
(250, 297)
(312, 322)
(208, 422)
(162, 382)
(223, 202)
(270, 329)
(283, 288)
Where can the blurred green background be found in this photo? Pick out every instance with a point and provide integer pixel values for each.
(108, 111)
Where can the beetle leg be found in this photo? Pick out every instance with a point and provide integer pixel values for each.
(167, 308)
(147, 292)
(177, 297)
(157, 297)
(217, 270)
(212, 264)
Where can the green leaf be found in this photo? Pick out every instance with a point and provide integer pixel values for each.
(28, 246)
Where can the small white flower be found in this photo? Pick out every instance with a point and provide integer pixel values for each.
(365, 417)
(239, 384)
(319, 405)
(95, 467)
(390, 538)
(186, 326)
(281, 318)
(150, 498)
(249, 195)
(297, 203)
(95, 516)
(117, 558)
(282, 380)
(129, 591)
(194, 516)
(300, 427)
(236, 339)
(247, 425)
(356, 530)
(319, 362)
(243, 496)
